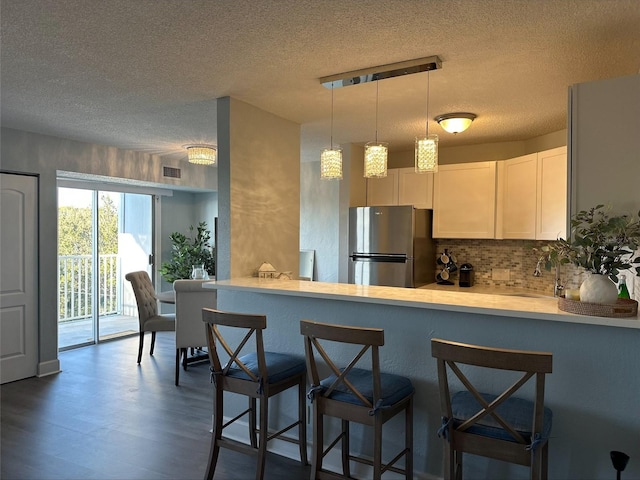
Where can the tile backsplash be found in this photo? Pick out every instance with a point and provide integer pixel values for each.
(516, 256)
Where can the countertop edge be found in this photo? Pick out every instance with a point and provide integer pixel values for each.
(484, 304)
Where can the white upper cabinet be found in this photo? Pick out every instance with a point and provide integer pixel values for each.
(464, 200)
(552, 194)
(532, 196)
(401, 186)
(516, 197)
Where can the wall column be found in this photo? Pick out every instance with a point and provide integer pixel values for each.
(258, 190)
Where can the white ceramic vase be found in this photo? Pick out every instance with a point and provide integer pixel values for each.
(598, 289)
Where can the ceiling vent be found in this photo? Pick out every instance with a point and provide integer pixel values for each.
(171, 172)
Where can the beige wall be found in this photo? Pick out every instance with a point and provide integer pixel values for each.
(259, 190)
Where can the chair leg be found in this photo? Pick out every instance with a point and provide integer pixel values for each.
(177, 366)
(539, 462)
(346, 449)
(408, 418)
(140, 344)
(153, 342)
(302, 418)
(217, 433)
(377, 448)
(458, 458)
(544, 461)
(449, 461)
(264, 433)
(185, 357)
(318, 442)
(252, 423)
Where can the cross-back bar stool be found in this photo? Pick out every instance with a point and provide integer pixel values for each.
(365, 396)
(259, 375)
(495, 425)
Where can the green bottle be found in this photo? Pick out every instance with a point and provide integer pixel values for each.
(623, 291)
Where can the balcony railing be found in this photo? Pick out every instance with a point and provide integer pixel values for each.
(75, 273)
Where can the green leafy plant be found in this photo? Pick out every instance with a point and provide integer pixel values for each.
(600, 243)
(187, 252)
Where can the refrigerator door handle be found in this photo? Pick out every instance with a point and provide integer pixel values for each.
(380, 257)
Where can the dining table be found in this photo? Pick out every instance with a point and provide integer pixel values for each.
(168, 296)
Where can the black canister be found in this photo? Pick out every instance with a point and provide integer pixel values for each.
(466, 275)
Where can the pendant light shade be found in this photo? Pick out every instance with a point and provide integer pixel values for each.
(375, 159)
(426, 154)
(331, 164)
(201, 154)
(375, 153)
(455, 122)
(331, 158)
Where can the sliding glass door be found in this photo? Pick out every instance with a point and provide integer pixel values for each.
(102, 235)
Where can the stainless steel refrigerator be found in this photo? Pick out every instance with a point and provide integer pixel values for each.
(391, 246)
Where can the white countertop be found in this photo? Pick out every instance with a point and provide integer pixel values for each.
(451, 298)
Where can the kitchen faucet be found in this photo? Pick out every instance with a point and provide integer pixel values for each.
(558, 288)
(537, 272)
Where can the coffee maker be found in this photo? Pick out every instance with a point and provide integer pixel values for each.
(466, 275)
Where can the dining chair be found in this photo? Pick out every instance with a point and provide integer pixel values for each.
(354, 394)
(497, 425)
(259, 375)
(148, 317)
(191, 334)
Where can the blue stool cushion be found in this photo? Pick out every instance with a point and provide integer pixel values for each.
(393, 388)
(517, 412)
(279, 366)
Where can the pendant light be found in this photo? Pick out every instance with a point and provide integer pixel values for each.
(331, 158)
(427, 146)
(375, 153)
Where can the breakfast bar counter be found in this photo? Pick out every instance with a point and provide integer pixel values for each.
(594, 390)
(479, 300)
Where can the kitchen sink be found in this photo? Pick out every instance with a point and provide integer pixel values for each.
(527, 295)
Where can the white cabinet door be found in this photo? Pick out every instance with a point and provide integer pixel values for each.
(552, 194)
(464, 201)
(532, 196)
(517, 181)
(415, 188)
(383, 191)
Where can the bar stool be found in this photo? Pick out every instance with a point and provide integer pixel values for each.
(364, 396)
(259, 375)
(499, 426)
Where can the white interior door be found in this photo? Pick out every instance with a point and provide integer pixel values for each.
(18, 277)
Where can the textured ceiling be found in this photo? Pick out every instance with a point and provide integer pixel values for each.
(145, 74)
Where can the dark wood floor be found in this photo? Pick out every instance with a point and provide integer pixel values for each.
(104, 417)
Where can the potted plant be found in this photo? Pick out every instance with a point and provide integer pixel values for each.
(601, 244)
(188, 252)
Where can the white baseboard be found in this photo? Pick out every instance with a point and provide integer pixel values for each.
(48, 368)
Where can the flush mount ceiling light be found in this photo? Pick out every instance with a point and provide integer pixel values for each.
(375, 153)
(455, 122)
(426, 156)
(201, 154)
(331, 158)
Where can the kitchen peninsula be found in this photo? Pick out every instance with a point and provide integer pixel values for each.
(594, 389)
